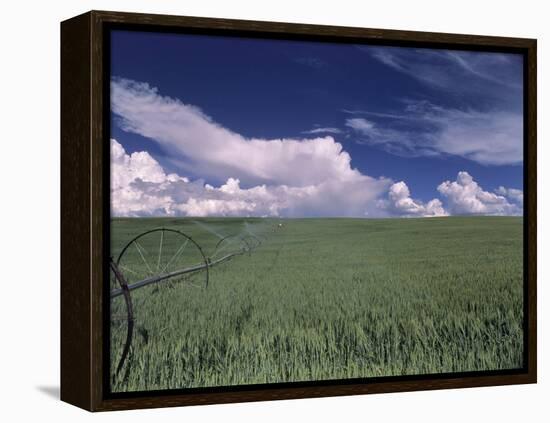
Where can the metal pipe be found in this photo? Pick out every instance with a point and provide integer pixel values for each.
(155, 279)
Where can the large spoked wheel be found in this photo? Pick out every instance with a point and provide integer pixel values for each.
(159, 257)
(231, 244)
(162, 252)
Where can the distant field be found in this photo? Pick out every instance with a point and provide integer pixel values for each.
(328, 299)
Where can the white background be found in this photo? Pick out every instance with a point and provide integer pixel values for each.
(29, 230)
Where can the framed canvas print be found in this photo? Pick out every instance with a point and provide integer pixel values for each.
(258, 210)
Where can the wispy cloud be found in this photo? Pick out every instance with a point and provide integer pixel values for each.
(320, 130)
(470, 106)
(425, 129)
(451, 69)
(376, 114)
(484, 66)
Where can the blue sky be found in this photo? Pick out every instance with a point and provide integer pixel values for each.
(418, 116)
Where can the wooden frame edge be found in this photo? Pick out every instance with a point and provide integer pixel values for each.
(531, 184)
(76, 325)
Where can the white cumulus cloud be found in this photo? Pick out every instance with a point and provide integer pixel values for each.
(204, 147)
(140, 187)
(465, 196)
(512, 194)
(400, 203)
(128, 174)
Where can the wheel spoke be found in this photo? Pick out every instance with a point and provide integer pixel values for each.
(160, 249)
(139, 247)
(219, 250)
(177, 253)
(127, 269)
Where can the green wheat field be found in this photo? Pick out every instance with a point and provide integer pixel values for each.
(321, 299)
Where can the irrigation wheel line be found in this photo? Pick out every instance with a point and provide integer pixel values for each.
(224, 243)
(186, 239)
(119, 268)
(248, 244)
(161, 278)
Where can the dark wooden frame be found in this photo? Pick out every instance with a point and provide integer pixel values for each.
(83, 224)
